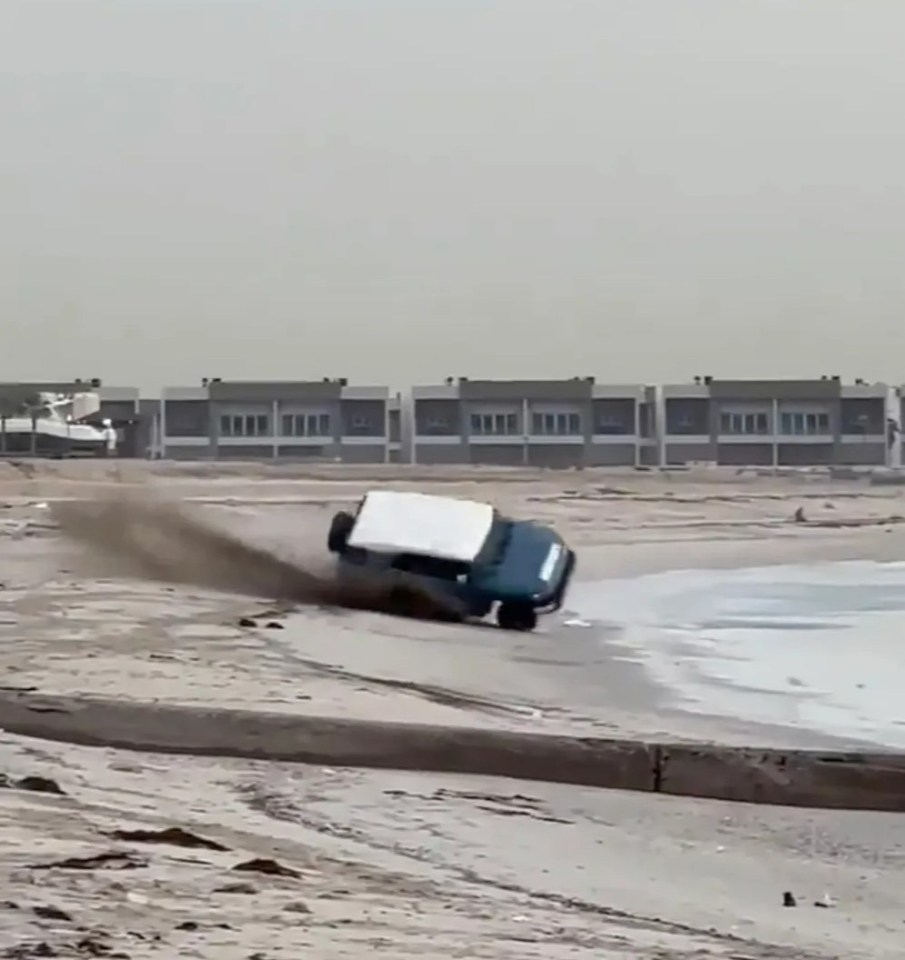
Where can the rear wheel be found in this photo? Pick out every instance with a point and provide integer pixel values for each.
(340, 528)
(516, 616)
(403, 603)
(422, 604)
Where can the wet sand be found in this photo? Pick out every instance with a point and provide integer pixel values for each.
(64, 631)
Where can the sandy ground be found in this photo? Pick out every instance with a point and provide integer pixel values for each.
(414, 864)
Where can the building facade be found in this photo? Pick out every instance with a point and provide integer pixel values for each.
(261, 420)
(545, 423)
(774, 423)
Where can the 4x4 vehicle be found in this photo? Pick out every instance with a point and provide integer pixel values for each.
(463, 552)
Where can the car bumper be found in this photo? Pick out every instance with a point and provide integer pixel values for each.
(553, 602)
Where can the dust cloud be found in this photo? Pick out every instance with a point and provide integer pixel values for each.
(167, 542)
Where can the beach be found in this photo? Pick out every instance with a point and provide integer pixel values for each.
(425, 864)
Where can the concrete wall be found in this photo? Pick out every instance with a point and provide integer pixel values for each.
(496, 454)
(562, 455)
(805, 454)
(745, 454)
(613, 454)
(677, 454)
(439, 453)
(649, 456)
(858, 453)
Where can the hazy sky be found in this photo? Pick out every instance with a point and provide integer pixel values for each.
(397, 191)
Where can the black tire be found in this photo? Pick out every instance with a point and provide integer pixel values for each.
(340, 528)
(403, 603)
(419, 604)
(516, 616)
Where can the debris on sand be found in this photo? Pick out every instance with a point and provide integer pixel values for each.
(86, 947)
(93, 947)
(266, 866)
(174, 836)
(50, 912)
(25, 951)
(246, 888)
(34, 784)
(110, 860)
(845, 524)
(248, 622)
(297, 906)
(192, 925)
(40, 785)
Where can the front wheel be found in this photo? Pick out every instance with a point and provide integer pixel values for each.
(516, 616)
(340, 528)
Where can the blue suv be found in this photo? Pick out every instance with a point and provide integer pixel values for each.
(463, 553)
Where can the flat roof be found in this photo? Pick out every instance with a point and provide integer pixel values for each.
(391, 521)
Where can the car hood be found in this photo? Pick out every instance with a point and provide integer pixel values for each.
(531, 564)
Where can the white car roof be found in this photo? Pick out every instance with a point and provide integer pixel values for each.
(391, 521)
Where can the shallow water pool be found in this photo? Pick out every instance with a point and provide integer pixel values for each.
(817, 648)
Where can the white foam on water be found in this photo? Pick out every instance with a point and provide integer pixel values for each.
(819, 648)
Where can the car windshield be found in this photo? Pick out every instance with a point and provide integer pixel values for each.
(495, 544)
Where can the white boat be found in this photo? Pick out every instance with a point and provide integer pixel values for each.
(54, 425)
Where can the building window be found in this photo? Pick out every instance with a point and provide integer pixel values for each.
(362, 426)
(609, 425)
(436, 426)
(805, 424)
(555, 424)
(305, 425)
(244, 425)
(860, 425)
(744, 424)
(494, 424)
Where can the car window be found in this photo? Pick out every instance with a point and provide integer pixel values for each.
(497, 540)
(437, 567)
